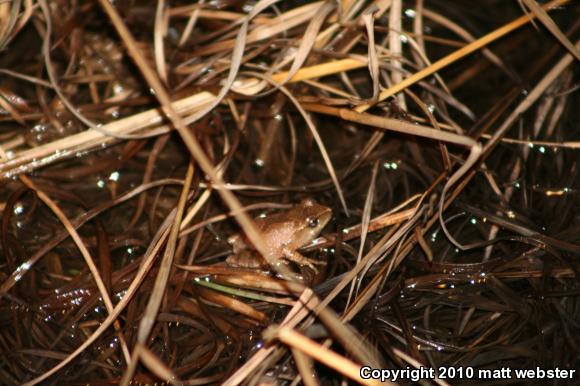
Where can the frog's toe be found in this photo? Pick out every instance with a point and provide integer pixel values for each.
(312, 267)
(312, 264)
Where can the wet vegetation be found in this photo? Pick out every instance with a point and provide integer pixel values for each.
(138, 137)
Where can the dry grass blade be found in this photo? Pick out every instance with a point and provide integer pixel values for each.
(468, 49)
(531, 98)
(319, 70)
(372, 53)
(199, 203)
(321, 146)
(179, 124)
(352, 341)
(299, 311)
(65, 148)
(195, 14)
(248, 294)
(563, 144)
(84, 252)
(320, 353)
(280, 24)
(112, 317)
(156, 366)
(57, 150)
(312, 127)
(305, 368)
(383, 244)
(29, 160)
(46, 48)
(253, 280)
(457, 29)
(309, 38)
(396, 48)
(373, 255)
(235, 305)
(422, 131)
(166, 265)
(392, 217)
(28, 264)
(189, 140)
(160, 284)
(25, 77)
(8, 18)
(366, 219)
(543, 16)
(159, 33)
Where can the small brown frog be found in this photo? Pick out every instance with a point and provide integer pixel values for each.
(283, 233)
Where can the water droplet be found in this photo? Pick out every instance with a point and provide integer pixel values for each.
(21, 270)
(114, 176)
(118, 88)
(18, 208)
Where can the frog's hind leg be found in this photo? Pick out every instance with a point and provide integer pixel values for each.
(246, 259)
(301, 260)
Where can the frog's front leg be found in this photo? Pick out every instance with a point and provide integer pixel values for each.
(300, 259)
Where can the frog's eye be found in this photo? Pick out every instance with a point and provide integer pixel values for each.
(313, 222)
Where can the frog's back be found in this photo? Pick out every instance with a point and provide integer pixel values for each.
(278, 235)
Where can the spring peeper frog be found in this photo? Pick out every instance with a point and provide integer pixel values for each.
(283, 233)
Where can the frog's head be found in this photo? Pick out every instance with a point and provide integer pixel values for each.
(313, 218)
